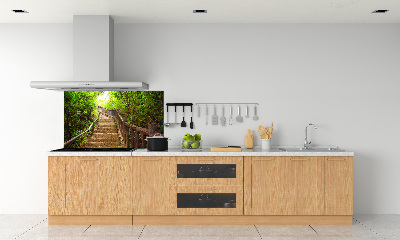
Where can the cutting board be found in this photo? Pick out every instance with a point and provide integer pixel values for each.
(225, 149)
(249, 140)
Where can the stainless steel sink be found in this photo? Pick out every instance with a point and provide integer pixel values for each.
(316, 149)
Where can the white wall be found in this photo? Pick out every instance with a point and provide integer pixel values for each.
(342, 77)
(31, 120)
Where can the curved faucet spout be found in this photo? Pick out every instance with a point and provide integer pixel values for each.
(306, 142)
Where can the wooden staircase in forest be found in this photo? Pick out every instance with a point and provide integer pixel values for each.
(105, 135)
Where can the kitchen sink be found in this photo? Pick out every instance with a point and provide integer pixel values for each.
(312, 149)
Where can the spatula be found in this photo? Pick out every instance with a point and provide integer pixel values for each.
(183, 123)
(214, 118)
(239, 118)
(223, 119)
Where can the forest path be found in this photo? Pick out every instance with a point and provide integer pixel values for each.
(105, 135)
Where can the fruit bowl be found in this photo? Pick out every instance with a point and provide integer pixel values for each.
(191, 145)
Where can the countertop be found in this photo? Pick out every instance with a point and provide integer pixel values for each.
(205, 152)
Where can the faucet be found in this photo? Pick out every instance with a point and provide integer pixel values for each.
(306, 142)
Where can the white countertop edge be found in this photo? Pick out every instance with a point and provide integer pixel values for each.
(206, 152)
(89, 154)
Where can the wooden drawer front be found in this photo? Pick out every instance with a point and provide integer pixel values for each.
(237, 161)
(217, 209)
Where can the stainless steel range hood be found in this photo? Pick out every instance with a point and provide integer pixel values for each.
(93, 40)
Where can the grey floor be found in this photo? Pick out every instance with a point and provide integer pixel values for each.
(364, 227)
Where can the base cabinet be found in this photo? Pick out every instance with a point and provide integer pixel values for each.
(301, 186)
(161, 190)
(56, 186)
(90, 186)
(151, 186)
(287, 186)
(338, 185)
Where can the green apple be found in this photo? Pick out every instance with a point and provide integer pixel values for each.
(197, 137)
(185, 137)
(190, 138)
(186, 144)
(196, 144)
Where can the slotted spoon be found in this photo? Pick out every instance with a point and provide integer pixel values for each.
(239, 118)
(223, 119)
(214, 118)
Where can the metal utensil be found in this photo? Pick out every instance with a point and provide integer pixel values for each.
(183, 123)
(214, 118)
(223, 119)
(198, 111)
(206, 115)
(191, 118)
(255, 118)
(176, 116)
(231, 116)
(247, 112)
(167, 123)
(239, 118)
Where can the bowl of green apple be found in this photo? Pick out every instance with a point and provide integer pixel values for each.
(191, 142)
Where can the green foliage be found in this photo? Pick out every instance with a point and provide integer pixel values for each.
(79, 113)
(139, 108)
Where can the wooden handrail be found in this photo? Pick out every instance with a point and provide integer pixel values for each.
(129, 132)
(91, 125)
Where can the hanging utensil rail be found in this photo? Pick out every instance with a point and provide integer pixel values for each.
(225, 103)
(180, 104)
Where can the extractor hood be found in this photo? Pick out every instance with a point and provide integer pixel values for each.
(93, 55)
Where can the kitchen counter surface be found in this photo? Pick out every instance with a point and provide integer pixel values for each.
(90, 154)
(245, 152)
(176, 152)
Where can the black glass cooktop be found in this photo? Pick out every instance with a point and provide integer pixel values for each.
(94, 150)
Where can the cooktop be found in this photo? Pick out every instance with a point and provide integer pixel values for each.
(94, 150)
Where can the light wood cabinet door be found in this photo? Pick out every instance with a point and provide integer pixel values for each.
(194, 201)
(338, 185)
(237, 162)
(98, 185)
(287, 186)
(56, 185)
(151, 175)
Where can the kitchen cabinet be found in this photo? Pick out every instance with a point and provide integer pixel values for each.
(338, 185)
(200, 189)
(98, 185)
(287, 186)
(56, 185)
(152, 185)
(90, 186)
